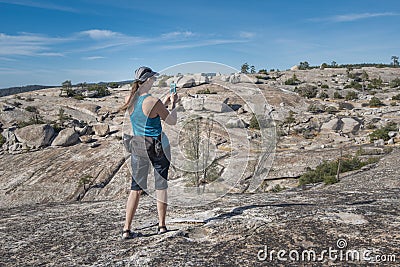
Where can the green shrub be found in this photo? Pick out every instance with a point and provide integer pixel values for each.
(61, 115)
(327, 170)
(395, 83)
(2, 140)
(100, 88)
(254, 122)
(396, 97)
(351, 95)
(354, 85)
(371, 126)
(337, 95)
(277, 188)
(325, 86)
(383, 133)
(393, 103)
(292, 81)
(308, 91)
(323, 95)
(331, 179)
(32, 109)
(375, 83)
(375, 102)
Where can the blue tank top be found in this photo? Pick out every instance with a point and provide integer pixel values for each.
(143, 125)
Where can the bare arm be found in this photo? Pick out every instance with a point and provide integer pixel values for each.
(167, 116)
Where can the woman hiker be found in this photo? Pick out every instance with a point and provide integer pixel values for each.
(146, 113)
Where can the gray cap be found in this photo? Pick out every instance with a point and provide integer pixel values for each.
(143, 73)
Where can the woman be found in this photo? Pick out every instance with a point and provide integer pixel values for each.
(146, 113)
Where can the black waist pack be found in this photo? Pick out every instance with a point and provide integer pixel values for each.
(143, 146)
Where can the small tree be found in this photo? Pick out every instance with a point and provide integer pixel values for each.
(65, 86)
(304, 65)
(375, 102)
(395, 60)
(245, 68)
(324, 66)
(364, 76)
(289, 120)
(292, 81)
(376, 83)
(252, 69)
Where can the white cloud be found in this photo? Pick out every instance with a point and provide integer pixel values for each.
(101, 34)
(28, 44)
(354, 17)
(177, 34)
(246, 34)
(94, 58)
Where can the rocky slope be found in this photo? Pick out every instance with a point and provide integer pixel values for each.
(64, 174)
(361, 210)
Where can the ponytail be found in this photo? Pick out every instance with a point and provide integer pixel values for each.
(132, 96)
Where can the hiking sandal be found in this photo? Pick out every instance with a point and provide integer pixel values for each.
(162, 230)
(128, 234)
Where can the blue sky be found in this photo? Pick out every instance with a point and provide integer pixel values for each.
(47, 42)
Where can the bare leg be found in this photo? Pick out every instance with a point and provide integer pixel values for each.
(131, 206)
(161, 206)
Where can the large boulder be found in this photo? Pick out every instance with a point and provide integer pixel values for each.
(35, 136)
(350, 125)
(200, 79)
(9, 138)
(235, 78)
(190, 103)
(186, 82)
(217, 105)
(332, 125)
(66, 137)
(236, 123)
(101, 129)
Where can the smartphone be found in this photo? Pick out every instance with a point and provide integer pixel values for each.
(172, 88)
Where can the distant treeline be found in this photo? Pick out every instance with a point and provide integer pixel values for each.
(29, 88)
(22, 89)
(358, 66)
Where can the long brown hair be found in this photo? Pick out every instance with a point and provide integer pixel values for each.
(132, 95)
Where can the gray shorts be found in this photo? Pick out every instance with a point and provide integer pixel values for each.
(140, 170)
